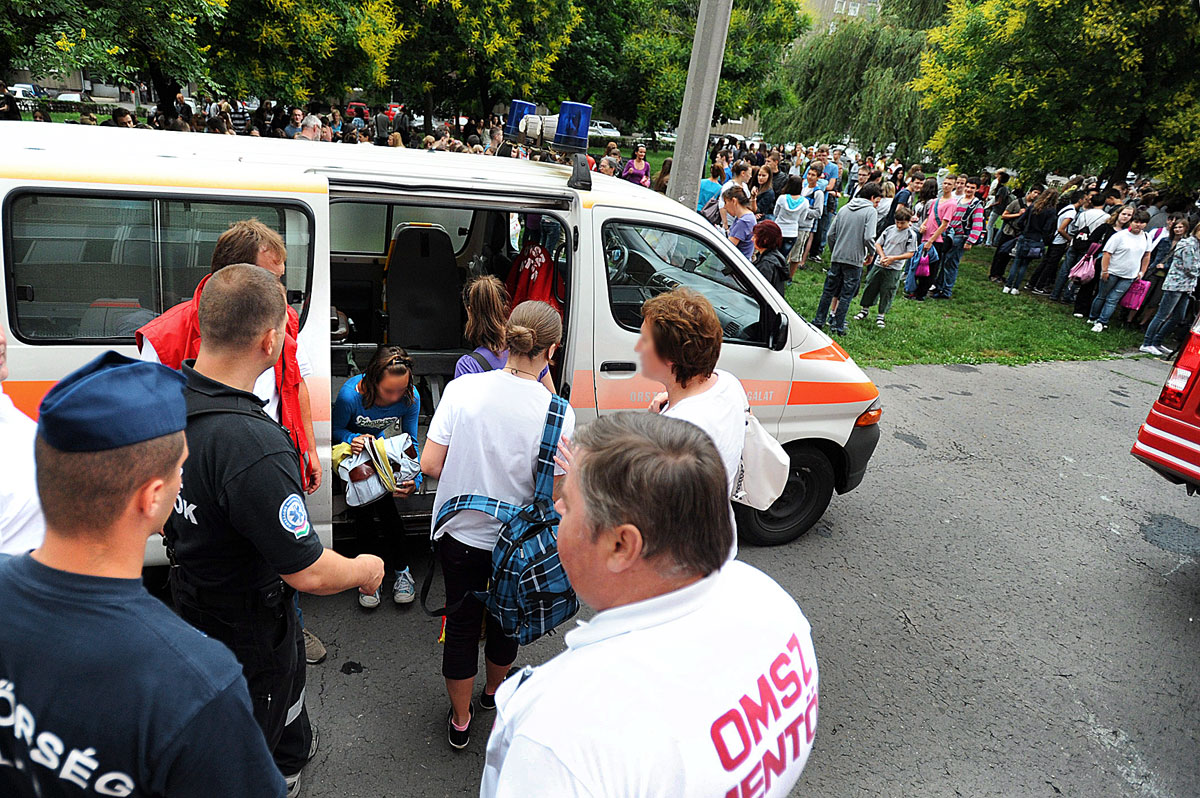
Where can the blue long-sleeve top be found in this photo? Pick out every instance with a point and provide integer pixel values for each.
(350, 419)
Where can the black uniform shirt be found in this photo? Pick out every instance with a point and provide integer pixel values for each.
(240, 519)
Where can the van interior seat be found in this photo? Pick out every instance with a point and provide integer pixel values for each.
(423, 285)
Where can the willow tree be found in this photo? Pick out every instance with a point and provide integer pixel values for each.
(852, 82)
(1067, 84)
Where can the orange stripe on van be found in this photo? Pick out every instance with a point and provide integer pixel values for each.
(318, 397)
(228, 180)
(583, 391)
(27, 395)
(831, 352)
(828, 393)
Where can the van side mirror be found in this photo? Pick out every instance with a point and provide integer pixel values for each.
(778, 338)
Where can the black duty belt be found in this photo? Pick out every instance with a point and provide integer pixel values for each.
(270, 596)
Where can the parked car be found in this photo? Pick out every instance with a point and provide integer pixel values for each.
(603, 129)
(1169, 439)
(76, 97)
(665, 136)
(359, 109)
(30, 89)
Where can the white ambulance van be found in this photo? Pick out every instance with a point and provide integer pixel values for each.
(101, 229)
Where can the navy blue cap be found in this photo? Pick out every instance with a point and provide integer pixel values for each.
(111, 402)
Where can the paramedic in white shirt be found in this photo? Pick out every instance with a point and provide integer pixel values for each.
(21, 524)
(679, 347)
(696, 677)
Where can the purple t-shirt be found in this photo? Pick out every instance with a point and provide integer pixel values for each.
(468, 365)
(741, 228)
(635, 175)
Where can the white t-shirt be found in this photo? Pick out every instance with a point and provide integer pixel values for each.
(264, 386)
(1088, 220)
(492, 425)
(635, 706)
(22, 527)
(721, 412)
(1125, 253)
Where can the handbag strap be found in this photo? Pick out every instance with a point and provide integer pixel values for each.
(543, 482)
(483, 362)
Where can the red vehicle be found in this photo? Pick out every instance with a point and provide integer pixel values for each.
(357, 109)
(393, 109)
(1169, 439)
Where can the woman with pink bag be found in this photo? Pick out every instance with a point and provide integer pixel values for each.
(1126, 256)
(1118, 221)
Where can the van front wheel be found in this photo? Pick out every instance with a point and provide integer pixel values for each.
(804, 500)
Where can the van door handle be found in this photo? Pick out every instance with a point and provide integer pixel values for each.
(618, 365)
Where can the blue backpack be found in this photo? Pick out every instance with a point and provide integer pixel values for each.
(529, 593)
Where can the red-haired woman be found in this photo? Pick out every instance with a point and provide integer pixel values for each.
(768, 238)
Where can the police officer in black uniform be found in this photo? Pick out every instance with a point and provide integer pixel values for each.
(240, 538)
(103, 690)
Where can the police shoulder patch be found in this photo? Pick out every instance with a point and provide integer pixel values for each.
(293, 516)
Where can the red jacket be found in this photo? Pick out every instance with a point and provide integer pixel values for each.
(175, 336)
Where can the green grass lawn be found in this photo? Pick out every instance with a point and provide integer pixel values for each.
(979, 325)
(655, 158)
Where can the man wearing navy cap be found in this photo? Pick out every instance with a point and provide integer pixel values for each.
(102, 689)
(240, 539)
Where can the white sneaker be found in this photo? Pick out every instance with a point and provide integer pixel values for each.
(369, 602)
(405, 589)
(1097, 327)
(1077, 315)
(1150, 349)
(1015, 291)
(862, 314)
(1006, 289)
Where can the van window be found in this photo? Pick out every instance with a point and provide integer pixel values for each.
(189, 231)
(366, 228)
(99, 267)
(643, 261)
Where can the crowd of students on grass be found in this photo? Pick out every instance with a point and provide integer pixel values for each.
(1119, 254)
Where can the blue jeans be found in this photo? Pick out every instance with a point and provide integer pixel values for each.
(1172, 310)
(1063, 289)
(993, 229)
(841, 281)
(1021, 261)
(954, 254)
(1107, 296)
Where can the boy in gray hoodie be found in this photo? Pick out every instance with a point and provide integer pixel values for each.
(851, 239)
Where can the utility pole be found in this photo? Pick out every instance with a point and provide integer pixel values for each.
(699, 99)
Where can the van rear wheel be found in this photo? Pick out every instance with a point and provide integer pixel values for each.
(804, 500)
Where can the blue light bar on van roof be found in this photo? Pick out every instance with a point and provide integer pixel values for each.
(517, 110)
(571, 131)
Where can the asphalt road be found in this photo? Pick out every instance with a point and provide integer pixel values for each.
(1007, 606)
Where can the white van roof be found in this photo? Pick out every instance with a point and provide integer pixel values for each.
(86, 153)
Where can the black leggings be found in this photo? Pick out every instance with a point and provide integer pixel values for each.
(381, 531)
(466, 568)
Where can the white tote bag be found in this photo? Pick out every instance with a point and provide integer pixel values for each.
(376, 471)
(765, 467)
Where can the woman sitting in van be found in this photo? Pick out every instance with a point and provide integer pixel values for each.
(484, 440)
(487, 300)
(376, 403)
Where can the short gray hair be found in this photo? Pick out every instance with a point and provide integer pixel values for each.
(613, 163)
(663, 476)
(312, 120)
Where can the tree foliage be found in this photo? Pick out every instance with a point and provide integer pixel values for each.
(298, 50)
(1068, 84)
(471, 53)
(647, 48)
(851, 82)
(118, 40)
